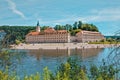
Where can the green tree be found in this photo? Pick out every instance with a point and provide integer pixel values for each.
(44, 27)
(94, 72)
(79, 24)
(110, 39)
(17, 42)
(68, 27)
(75, 26)
(82, 75)
(70, 68)
(47, 75)
(94, 28)
(89, 27)
(73, 32)
(59, 27)
(15, 32)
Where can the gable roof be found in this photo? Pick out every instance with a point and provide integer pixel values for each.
(33, 33)
(88, 32)
(47, 31)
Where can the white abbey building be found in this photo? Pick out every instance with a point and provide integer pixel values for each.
(50, 35)
(89, 36)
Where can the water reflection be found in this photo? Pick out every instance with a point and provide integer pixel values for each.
(83, 53)
(32, 61)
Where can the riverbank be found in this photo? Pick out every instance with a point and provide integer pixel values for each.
(61, 46)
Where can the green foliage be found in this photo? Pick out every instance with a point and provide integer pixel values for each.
(85, 26)
(70, 68)
(82, 75)
(73, 32)
(110, 40)
(104, 72)
(16, 33)
(17, 42)
(79, 24)
(106, 41)
(89, 27)
(103, 40)
(6, 76)
(75, 26)
(94, 71)
(5, 59)
(32, 77)
(68, 27)
(46, 74)
(8, 59)
(59, 27)
(44, 27)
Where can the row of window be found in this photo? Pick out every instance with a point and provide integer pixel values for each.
(95, 37)
(47, 38)
(58, 33)
(48, 41)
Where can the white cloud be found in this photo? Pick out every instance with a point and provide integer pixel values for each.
(100, 15)
(108, 14)
(57, 23)
(112, 11)
(14, 9)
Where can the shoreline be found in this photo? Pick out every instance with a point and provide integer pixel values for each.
(60, 46)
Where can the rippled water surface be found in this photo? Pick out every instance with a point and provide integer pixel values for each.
(32, 61)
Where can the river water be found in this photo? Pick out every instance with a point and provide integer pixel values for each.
(32, 61)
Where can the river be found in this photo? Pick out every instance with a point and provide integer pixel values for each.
(32, 61)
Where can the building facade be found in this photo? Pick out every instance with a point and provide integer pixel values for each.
(49, 35)
(89, 36)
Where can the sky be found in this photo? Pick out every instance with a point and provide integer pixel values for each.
(105, 14)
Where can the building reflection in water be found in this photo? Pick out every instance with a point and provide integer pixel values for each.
(83, 53)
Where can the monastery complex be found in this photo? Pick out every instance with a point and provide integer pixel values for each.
(50, 35)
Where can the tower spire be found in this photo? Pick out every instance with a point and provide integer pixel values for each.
(38, 23)
(38, 27)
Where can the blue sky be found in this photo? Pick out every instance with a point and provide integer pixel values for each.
(105, 14)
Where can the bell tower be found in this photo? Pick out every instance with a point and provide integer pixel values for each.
(38, 27)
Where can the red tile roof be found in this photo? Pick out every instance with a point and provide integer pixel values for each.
(47, 31)
(88, 32)
(34, 33)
